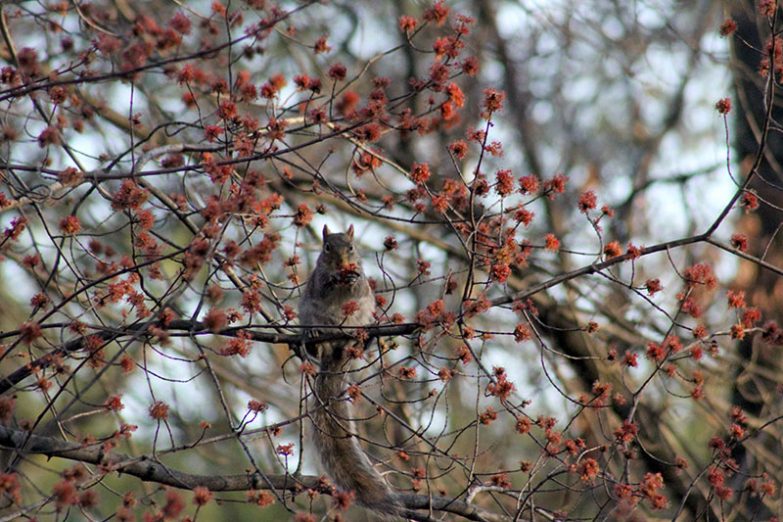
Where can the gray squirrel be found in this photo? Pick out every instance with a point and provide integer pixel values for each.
(338, 279)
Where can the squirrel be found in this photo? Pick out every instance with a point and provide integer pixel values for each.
(338, 278)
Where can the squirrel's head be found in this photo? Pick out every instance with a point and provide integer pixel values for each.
(339, 253)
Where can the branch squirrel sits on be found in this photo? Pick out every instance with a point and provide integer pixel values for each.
(338, 279)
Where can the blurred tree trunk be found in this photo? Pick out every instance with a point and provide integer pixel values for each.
(756, 386)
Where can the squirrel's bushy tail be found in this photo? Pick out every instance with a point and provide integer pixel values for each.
(342, 456)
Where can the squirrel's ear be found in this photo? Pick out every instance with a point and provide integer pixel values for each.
(349, 232)
(325, 232)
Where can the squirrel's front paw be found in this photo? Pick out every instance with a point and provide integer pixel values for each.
(311, 347)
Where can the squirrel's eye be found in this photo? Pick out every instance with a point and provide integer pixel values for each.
(327, 248)
(350, 248)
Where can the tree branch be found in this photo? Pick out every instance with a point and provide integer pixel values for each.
(149, 469)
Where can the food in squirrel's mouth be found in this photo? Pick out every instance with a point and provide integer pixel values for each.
(348, 273)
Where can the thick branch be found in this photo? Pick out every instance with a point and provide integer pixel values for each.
(151, 470)
(295, 342)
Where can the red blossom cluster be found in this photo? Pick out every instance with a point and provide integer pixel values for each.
(723, 105)
(434, 313)
(501, 387)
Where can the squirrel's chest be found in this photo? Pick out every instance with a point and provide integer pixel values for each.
(349, 306)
